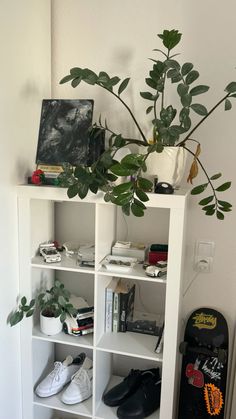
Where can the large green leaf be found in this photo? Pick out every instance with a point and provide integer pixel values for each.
(147, 95)
(225, 204)
(186, 68)
(220, 215)
(124, 187)
(199, 189)
(123, 85)
(123, 199)
(216, 176)
(72, 191)
(119, 141)
(199, 109)
(170, 38)
(119, 170)
(23, 301)
(76, 72)
(149, 109)
(126, 209)
(228, 105)
(75, 82)
(223, 187)
(141, 195)
(66, 79)
(132, 160)
(83, 190)
(89, 76)
(151, 83)
(186, 99)
(139, 203)
(182, 89)
(198, 90)
(30, 313)
(172, 64)
(207, 200)
(137, 210)
(192, 76)
(145, 184)
(231, 87)
(16, 317)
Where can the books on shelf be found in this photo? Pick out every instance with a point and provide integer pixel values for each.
(109, 290)
(119, 304)
(123, 304)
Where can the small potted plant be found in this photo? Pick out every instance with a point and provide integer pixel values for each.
(53, 304)
(171, 127)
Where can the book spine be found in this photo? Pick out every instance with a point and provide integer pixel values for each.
(116, 312)
(123, 309)
(126, 308)
(108, 310)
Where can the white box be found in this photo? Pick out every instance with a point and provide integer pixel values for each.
(130, 249)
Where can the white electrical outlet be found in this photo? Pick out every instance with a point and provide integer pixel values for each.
(204, 265)
(203, 260)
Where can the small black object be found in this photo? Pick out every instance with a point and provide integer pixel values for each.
(164, 188)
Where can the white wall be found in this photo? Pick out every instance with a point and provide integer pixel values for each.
(25, 80)
(118, 37)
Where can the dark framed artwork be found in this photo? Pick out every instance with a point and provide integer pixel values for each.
(63, 133)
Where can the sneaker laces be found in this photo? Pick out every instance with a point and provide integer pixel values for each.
(55, 374)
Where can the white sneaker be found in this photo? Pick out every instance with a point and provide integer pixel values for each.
(60, 376)
(80, 387)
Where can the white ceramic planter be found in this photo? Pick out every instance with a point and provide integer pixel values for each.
(50, 325)
(168, 166)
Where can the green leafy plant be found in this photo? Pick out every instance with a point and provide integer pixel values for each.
(53, 302)
(171, 127)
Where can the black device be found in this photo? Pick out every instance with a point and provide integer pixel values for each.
(164, 188)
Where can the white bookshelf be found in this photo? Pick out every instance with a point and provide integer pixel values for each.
(47, 213)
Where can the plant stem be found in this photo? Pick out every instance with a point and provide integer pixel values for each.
(127, 140)
(202, 120)
(145, 142)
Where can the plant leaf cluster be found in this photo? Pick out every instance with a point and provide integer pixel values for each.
(171, 127)
(53, 302)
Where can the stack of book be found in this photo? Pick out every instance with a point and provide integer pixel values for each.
(80, 325)
(51, 172)
(119, 300)
(85, 319)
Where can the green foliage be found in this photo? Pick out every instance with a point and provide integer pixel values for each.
(54, 302)
(172, 126)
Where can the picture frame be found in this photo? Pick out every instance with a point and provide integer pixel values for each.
(64, 134)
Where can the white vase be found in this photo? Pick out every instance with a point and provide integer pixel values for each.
(167, 166)
(50, 325)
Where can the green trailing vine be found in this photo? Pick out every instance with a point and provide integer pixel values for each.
(171, 127)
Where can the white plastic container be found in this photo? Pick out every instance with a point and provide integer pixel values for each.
(119, 264)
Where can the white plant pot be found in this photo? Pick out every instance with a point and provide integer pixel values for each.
(167, 166)
(50, 325)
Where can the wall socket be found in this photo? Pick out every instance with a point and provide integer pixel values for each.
(203, 258)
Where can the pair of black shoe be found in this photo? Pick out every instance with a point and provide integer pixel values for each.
(137, 396)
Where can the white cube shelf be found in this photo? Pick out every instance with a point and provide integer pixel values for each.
(47, 213)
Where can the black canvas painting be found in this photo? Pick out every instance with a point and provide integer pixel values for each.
(63, 133)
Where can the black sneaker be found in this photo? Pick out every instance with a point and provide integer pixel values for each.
(118, 394)
(144, 401)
